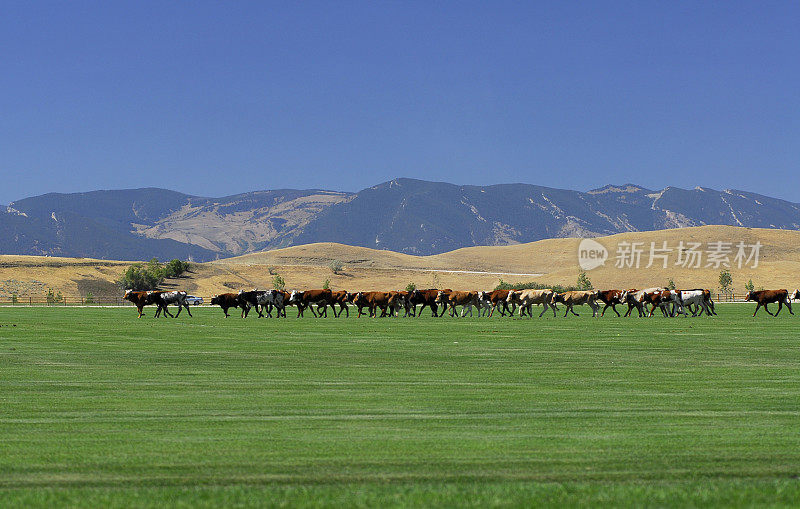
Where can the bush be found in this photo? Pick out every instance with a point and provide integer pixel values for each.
(278, 283)
(14, 298)
(671, 284)
(584, 283)
(336, 266)
(750, 287)
(175, 268)
(149, 276)
(725, 280)
(326, 285)
(141, 277)
(534, 286)
(410, 287)
(89, 298)
(53, 298)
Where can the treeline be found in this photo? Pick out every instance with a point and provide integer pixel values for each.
(150, 275)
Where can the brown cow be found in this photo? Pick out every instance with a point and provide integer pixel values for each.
(426, 298)
(373, 301)
(499, 297)
(141, 299)
(400, 300)
(610, 298)
(307, 298)
(225, 301)
(340, 297)
(764, 297)
(454, 298)
(638, 299)
(577, 298)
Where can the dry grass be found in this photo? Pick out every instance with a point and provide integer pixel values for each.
(368, 269)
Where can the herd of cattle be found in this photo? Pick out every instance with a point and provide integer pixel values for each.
(670, 302)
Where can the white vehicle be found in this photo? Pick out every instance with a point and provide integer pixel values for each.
(194, 301)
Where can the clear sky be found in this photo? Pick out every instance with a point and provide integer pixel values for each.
(216, 98)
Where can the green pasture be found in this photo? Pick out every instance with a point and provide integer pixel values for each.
(99, 408)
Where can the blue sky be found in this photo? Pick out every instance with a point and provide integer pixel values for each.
(216, 98)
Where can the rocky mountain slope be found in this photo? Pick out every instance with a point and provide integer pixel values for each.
(403, 215)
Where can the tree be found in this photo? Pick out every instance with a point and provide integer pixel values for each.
(410, 287)
(750, 287)
(670, 284)
(326, 285)
(140, 277)
(278, 283)
(725, 280)
(175, 268)
(89, 298)
(336, 266)
(584, 283)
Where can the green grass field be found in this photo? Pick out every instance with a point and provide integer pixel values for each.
(98, 408)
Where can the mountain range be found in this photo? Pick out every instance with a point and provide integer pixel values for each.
(404, 215)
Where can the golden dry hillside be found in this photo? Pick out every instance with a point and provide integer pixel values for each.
(553, 261)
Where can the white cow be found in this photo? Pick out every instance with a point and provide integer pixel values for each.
(525, 299)
(699, 298)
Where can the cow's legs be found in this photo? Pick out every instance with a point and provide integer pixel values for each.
(780, 306)
(594, 307)
(766, 308)
(140, 309)
(544, 308)
(789, 307)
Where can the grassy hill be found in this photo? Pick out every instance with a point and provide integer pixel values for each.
(306, 266)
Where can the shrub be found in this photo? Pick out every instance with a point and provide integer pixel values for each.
(53, 297)
(278, 283)
(14, 298)
(584, 283)
(410, 287)
(326, 285)
(750, 286)
(336, 266)
(148, 276)
(175, 268)
(89, 298)
(725, 280)
(534, 286)
(141, 277)
(671, 284)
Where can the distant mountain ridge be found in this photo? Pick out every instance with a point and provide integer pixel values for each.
(404, 215)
